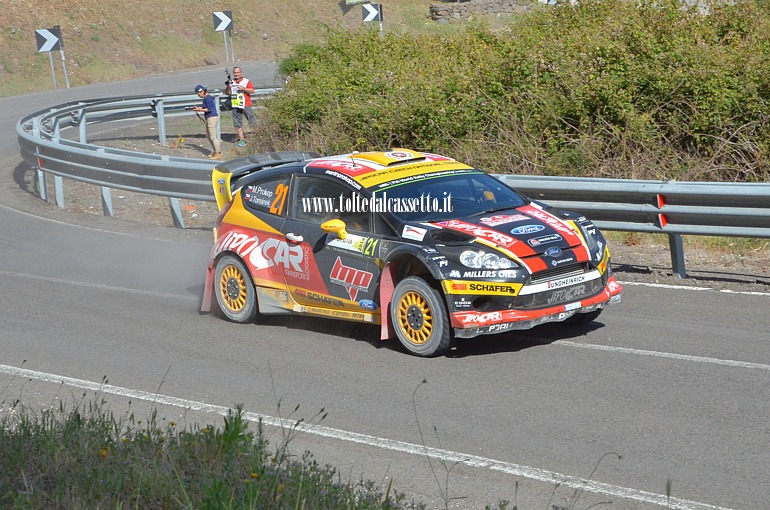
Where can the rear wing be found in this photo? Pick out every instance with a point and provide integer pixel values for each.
(225, 176)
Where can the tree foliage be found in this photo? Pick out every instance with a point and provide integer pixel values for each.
(605, 87)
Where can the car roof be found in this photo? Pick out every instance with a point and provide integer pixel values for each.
(367, 169)
(373, 168)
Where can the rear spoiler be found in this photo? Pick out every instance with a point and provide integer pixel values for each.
(222, 175)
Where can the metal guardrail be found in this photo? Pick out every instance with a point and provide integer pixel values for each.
(45, 149)
(667, 207)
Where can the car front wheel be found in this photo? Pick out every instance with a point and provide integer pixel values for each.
(420, 318)
(235, 292)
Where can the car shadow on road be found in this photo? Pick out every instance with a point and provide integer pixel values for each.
(516, 341)
(479, 346)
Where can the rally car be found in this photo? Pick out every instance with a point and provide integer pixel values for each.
(426, 247)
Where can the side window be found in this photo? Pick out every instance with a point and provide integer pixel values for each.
(382, 227)
(267, 196)
(318, 200)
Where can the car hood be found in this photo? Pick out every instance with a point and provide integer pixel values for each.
(525, 231)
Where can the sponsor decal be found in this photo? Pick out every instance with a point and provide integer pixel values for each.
(497, 288)
(507, 273)
(351, 278)
(538, 241)
(568, 294)
(565, 282)
(572, 306)
(339, 314)
(368, 304)
(269, 253)
(463, 303)
(527, 229)
(459, 286)
(415, 233)
(345, 166)
(552, 222)
(344, 178)
(480, 274)
(366, 246)
(614, 286)
(327, 300)
(399, 155)
(454, 273)
(501, 219)
(482, 318)
(561, 262)
(479, 231)
(499, 328)
(553, 251)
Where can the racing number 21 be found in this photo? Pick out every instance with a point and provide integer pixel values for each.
(280, 198)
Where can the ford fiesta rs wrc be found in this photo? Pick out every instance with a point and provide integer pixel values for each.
(426, 247)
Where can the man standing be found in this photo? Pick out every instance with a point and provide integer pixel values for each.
(240, 97)
(209, 108)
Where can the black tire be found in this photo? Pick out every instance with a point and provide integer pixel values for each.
(235, 291)
(580, 319)
(420, 318)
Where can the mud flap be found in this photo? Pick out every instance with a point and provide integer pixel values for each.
(386, 294)
(208, 291)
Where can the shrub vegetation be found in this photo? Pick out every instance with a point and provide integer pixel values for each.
(87, 457)
(608, 88)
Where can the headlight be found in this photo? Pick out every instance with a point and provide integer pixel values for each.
(477, 259)
(590, 238)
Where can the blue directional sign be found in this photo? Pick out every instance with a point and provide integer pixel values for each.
(223, 20)
(48, 39)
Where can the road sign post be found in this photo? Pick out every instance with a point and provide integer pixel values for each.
(48, 40)
(372, 12)
(223, 22)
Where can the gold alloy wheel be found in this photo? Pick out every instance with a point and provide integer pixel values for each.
(232, 288)
(415, 317)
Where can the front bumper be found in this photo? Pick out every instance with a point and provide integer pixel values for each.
(471, 324)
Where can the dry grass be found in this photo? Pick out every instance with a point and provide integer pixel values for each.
(107, 40)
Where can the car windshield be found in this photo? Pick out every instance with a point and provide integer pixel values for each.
(447, 197)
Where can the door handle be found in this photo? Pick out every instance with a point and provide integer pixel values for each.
(294, 238)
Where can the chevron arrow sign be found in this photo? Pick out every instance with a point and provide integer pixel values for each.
(48, 39)
(223, 20)
(372, 12)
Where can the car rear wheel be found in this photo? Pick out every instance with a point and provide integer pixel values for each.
(583, 318)
(420, 318)
(235, 292)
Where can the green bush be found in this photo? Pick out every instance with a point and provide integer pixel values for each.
(606, 87)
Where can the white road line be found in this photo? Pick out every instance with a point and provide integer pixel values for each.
(670, 355)
(688, 287)
(531, 473)
(99, 286)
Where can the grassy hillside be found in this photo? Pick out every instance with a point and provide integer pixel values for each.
(107, 40)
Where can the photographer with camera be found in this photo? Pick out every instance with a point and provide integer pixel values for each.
(240, 89)
(209, 108)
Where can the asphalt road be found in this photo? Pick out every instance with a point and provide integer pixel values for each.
(674, 380)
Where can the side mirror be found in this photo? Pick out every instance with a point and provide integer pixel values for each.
(336, 226)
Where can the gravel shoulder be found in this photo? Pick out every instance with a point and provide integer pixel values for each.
(726, 264)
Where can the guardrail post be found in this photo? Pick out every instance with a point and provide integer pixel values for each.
(42, 184)
(160, 111)
(83, 132)
(107, 201)
(677, 255)
(176, 212)
(58, 186)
